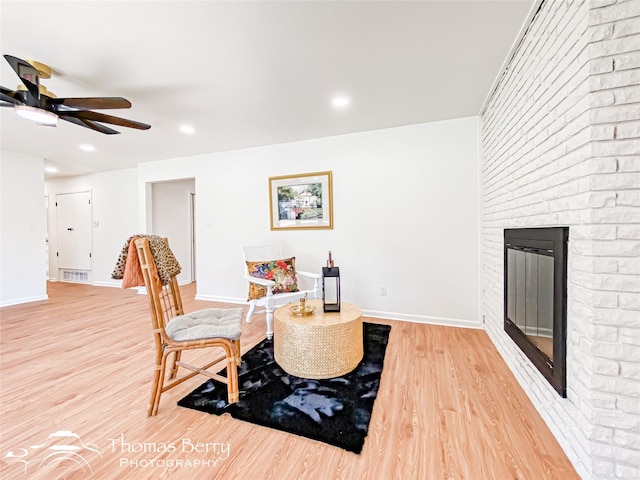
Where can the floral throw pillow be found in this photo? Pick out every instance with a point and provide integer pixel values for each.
(282, 271)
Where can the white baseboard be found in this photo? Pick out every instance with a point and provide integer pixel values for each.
(214, 298)
(406, 317)
(113, 283)
(449, 322)
(17, 301)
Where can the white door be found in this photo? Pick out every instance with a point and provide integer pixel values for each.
(73, 217)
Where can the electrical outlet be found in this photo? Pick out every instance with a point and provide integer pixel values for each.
(382, 290)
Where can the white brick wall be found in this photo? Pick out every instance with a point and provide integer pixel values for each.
(561, 147)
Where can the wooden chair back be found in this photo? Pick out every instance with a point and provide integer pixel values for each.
(165, 300)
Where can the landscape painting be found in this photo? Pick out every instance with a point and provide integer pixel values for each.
(301, 201)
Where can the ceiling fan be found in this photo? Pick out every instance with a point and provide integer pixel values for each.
(34, 102)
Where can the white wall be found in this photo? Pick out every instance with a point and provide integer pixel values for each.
(405, 216)
(22, 229)
(114, 199)
(561, 145)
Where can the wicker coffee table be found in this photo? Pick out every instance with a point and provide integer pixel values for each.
(320, 345)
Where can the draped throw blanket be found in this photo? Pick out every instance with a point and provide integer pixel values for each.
(128, 269)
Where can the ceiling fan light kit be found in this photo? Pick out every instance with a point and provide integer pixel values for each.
(32, 101)
(37, 115)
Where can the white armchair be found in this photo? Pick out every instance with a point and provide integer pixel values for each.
(270, 301)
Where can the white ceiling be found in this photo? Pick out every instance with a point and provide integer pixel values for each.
(246, 73)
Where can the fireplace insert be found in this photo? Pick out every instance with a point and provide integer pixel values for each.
(535, 298)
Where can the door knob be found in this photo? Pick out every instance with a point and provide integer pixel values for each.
(70, 229)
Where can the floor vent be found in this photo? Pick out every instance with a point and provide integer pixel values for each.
(75, 276)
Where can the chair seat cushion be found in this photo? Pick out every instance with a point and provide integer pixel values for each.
(208, 323)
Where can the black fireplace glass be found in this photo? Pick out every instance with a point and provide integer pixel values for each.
(530, 292)
(535, 297)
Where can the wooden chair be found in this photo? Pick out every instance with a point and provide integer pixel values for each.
(175, 332)
(264, 253)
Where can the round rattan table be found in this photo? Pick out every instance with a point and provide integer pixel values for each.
(320, 345)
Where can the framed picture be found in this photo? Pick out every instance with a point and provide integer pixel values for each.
(301, 201)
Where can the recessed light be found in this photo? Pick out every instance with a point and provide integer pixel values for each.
(188, 129)
(87, 148)
(340, 101)
(50, 169)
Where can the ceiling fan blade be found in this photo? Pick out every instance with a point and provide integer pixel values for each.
(98, 103)
(89, 124)
(101, 117)
(27, 73)
(10, 96)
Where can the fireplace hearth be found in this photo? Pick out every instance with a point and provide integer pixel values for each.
(535, 297)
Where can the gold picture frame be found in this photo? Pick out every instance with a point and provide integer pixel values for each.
(301, 202)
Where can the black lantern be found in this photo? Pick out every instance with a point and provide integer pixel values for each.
(330, 287)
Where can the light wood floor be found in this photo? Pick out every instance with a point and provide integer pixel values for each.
(448, 407)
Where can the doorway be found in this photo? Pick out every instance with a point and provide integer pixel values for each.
(172, 216)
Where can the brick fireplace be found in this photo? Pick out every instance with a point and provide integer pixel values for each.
(560, 147)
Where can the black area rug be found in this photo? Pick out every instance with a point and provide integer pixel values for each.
(335, 411)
